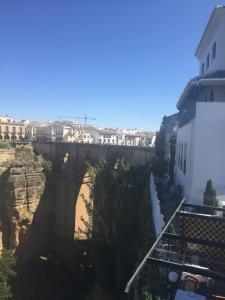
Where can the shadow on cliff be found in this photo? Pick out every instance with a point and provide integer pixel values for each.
(5, 226)
(51, 264)
(53, 227)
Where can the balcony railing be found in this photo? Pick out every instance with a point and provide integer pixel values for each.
(190, 247)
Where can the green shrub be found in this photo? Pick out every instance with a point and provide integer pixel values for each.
(210, 195)
(7, 265)
(47, 166)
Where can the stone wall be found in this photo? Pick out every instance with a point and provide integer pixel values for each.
(79, 153)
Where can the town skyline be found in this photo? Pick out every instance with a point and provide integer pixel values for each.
(72, 120)
(26, 131)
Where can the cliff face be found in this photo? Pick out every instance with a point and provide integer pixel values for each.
(22, 184)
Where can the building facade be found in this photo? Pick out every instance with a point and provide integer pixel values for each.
(45, 133)
(11, 130)
(200, 136)
(108, 136)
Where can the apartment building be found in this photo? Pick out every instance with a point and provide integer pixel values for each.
(200, 136)
(45, 133)
(11, 130)
(88, 135)
(108, 136)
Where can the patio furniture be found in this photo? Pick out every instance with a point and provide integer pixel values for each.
(187, 295)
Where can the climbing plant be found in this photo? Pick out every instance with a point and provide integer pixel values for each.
(121, 217)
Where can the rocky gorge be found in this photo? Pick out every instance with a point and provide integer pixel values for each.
(22, 185)
(41, 207)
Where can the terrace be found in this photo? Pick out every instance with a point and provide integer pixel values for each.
(187, 261)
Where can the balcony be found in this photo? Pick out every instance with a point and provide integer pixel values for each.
(187, 261)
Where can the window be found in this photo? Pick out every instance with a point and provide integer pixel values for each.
(211, 99)
(207, 62)
(203, 68)
(206, 98)
(14, 129)
(181, 162)
(179, 156)
(214, 51)
(185, 158)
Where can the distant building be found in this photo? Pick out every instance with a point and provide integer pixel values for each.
(133, 140)
(88, 135)
(108, 136)
(151, 140)
(63, 132)
(201, 131)
(45, 133)
(30, 132)
(11, 130)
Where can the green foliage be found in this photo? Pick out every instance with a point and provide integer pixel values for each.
(210, 195)
(121, 217)
(7, 264)
(6, 145)
(24, 152)
(159, 164)
(47, 166)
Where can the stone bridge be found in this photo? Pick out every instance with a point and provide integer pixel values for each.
(79, 153)
(63, 202)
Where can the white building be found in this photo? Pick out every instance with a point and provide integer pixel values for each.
(30, 132)
(11, 130)
(200, 153)
(45, 133)
(88, 135)
(63, 132)
(108, 136)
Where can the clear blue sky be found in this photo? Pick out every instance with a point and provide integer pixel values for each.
(124, 62)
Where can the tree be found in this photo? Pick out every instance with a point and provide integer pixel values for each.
(159, 163)
(7, 264)
(210, 195)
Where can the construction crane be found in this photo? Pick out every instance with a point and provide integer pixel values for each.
(85, 118)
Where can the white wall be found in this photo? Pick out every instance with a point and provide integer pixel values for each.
(208, 156)
(219, 61)
(158, 219)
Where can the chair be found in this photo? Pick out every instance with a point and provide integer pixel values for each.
(190, 283)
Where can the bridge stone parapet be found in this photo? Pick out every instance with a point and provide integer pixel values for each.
(79, 153)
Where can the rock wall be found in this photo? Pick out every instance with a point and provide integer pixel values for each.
(22, 184)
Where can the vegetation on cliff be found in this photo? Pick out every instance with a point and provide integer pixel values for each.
(47, 166)
(7, 265)
(122, 225)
